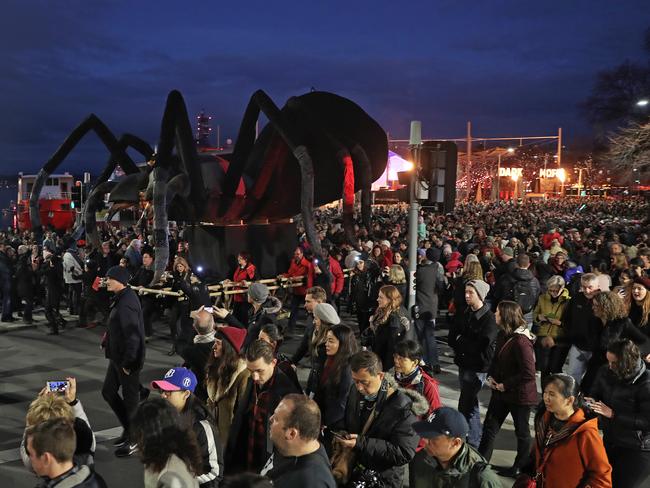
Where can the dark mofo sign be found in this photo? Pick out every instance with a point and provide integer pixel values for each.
(543, 173)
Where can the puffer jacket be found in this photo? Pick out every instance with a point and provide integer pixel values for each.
(630, 401)
(468, 470)
(551, 309)
(390, 442)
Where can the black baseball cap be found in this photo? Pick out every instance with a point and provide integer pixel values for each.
(443, 421)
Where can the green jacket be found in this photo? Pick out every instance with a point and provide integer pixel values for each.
(550, 310)
(427, 473)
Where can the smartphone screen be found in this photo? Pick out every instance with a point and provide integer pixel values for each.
(57, 386)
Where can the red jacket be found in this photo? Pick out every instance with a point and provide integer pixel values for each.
(243, 274)
(303, 268)
(547, 239)
(337, 275)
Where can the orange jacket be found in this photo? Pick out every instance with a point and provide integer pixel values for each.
(578, 460)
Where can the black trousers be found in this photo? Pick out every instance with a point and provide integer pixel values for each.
(630, 467)
(74, 298)
(550, 360)
(123, 406)
(497, 412)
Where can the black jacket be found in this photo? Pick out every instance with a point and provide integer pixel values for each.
(582, 326)
(300, 472)
(266, 314)
(125, 340)
(473, 339)
(332, 397)
(630, 401)
(390, 442)
(211, 450)
(505, 284)
(387, 335)
(196, 355)
(237, 448)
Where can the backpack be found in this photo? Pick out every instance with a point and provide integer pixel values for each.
(525, 295)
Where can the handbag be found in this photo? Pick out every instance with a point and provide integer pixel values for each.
(527, 481)
(343, 458)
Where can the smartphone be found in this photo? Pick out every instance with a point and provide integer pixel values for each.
(57, 386)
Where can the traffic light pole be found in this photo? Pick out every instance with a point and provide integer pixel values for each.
(414, 209)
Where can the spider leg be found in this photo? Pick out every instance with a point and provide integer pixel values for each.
(94, 201)
(91, 123)
(365, 176)
(175, 131)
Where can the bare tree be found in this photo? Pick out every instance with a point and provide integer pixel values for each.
(630, 150)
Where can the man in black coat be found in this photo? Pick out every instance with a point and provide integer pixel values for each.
(473, 340)
(143, 277)
(52, 271)
(386, 443)
(125, 350)
(249, 445)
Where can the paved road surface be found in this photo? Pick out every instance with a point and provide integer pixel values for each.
(29, 358)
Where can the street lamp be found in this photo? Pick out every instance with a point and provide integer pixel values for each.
(561, 175)
(515, 178)
(510, 150)
(643, 102)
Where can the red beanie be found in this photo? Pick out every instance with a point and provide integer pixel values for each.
(234, 335)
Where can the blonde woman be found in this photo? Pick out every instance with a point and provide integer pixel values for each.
(387, 324)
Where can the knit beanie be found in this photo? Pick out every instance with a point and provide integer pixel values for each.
(481, 287)
(234, 335)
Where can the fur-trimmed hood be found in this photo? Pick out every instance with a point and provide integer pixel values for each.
(419, 404)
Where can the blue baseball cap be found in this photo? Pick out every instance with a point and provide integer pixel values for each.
(443, 421)
(176, 379)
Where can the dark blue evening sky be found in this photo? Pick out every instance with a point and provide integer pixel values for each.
(511, 67)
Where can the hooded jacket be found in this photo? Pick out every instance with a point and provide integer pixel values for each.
(468, 469)
(514, 366)
(390, 442)
(125, 339)
(630, 401)
(577, 456)
(505, 285)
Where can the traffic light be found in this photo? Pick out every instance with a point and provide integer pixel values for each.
(438, 169)
(76, 195)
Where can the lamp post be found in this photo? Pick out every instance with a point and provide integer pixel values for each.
(561, 175)
(510, 150)
(415, 141)
(515, 178)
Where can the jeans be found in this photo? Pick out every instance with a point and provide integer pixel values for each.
(471, 383)
(578, 360)
(497, 412)
(125, 406)
(425, 328)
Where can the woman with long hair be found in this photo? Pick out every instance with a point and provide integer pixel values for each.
(397, 278)
(335, 379)
(552, 346)
(387, 324)
(168, 448)
(512, 380)
(621, 398)
(640, 305)
(325, 317)
(226, 377)
(180, 309)
(610, 308)
(568, 449)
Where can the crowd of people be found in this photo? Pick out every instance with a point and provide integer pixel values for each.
(551, 297)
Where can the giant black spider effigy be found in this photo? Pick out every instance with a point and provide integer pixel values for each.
(318, 148)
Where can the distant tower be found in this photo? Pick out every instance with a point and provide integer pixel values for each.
(203, 129)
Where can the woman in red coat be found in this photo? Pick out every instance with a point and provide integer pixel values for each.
(245, 271)
(569, 452)
(512, 379)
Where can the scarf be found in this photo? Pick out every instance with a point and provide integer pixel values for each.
(412, 378)
(204, 338)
